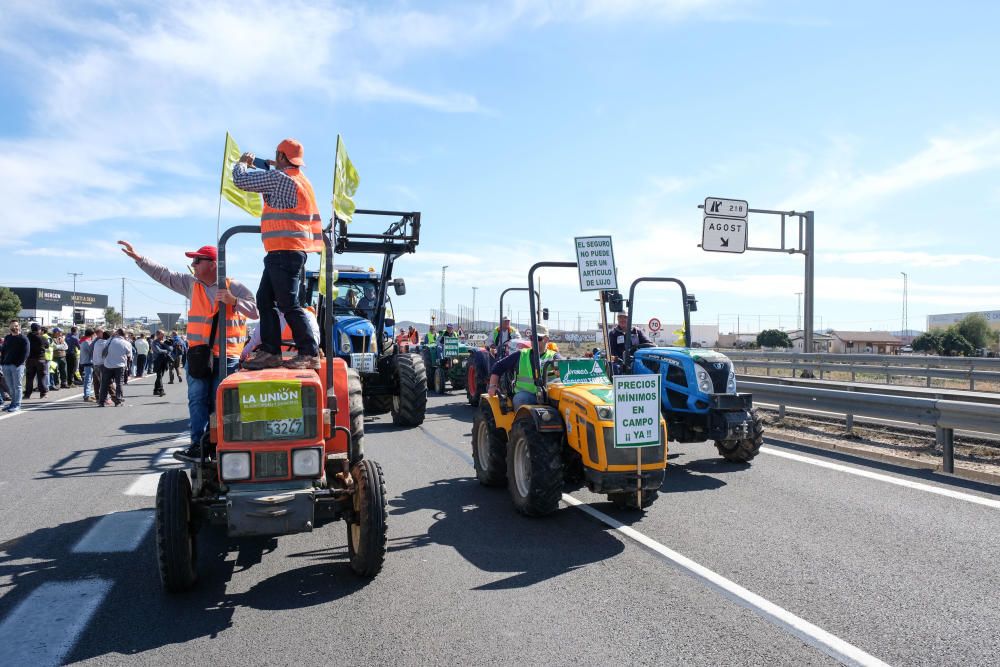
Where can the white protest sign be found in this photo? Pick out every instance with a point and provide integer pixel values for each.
(637, 410)
(596, 262)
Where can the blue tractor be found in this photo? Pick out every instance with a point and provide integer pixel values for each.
(392, 379)
(699, 400)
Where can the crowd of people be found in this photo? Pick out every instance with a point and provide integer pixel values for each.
(100, 361)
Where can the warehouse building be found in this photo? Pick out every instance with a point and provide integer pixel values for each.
(48, 306)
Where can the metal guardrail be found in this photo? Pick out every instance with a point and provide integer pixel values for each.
(944, 415)
(939, 393)
(965, 369)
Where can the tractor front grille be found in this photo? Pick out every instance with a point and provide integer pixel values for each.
(720, 376)
(270, 465)
(359, 343)
(627, 455)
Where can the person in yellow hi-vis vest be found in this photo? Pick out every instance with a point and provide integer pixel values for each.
(524, 384)
(290, 227)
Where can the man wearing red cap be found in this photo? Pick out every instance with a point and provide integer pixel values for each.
(200, 287)
(290, 227)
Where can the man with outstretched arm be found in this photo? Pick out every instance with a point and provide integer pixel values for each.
(200, 287)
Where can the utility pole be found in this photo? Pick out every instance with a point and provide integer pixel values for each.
(798, 312)
(906, 319)
(441, 312)
(474, 319)
(74, 274)
(122, 314)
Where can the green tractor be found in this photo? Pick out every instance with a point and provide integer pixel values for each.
(446, 362)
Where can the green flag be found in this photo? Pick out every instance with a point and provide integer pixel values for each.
(345, 184)
(248, 201)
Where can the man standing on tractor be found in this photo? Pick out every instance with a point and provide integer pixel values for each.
(520, 361)
(616, 338)
(430, 338)
(202, 290)
(449, 332)
(504, 333)
(290, 227)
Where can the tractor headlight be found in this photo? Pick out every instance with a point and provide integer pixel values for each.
(235, 466)
(606, 413)
(305, 462)
(731, 382)
(704, 381)
(345, 343)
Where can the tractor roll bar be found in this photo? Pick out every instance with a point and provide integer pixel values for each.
(511, 289)
(328, 317)
(627, 353)
(536, 354)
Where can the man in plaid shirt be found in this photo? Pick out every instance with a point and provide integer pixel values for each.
(290, 228)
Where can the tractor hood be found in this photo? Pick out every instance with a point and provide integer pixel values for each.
(594, 394)
(354, 326)
(695, 354)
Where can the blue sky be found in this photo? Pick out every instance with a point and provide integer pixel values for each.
(515, 126)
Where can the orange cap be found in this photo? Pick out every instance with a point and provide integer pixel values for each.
(293, 151)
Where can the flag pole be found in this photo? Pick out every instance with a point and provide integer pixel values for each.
(222, 181)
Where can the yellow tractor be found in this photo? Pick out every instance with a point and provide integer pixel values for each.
(565, 438)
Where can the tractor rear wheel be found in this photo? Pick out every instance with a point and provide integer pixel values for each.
(742, 451)
(628, 500)
(357, 411)
(534, 469)
(176, 536)
(409, 404)
(366, 529)
(489, 450)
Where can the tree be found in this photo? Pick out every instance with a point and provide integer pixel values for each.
(929, 342)
(10, 306)
(976, 329)
(773, 338)
(953, 344)
(112, 318)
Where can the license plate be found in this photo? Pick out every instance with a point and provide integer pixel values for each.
(284, 428)
(363, 362)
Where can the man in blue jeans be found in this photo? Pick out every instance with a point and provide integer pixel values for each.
(15, 354)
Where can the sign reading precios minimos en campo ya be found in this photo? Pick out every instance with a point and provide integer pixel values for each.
(637, 410)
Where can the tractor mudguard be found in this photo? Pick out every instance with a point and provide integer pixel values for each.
(545, 417)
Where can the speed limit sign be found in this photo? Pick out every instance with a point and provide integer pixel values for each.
(654, 324)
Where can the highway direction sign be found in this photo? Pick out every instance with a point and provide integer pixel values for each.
(726, 208)
(724, 235)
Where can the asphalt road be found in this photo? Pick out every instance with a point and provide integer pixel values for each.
(770, 563)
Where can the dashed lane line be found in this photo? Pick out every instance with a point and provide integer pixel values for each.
(145, 485)
(814, 636)
(889, 479)
(45, 626)
(117, 532)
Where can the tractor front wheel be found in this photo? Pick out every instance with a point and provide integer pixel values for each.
(534, 469)
(440, 378)
(357, 412)
(176, 535)
(409, 404)
(366, 529)
(489, 451)
(742, 451)
(476, 378)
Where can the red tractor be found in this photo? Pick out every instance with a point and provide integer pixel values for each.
(285, 456)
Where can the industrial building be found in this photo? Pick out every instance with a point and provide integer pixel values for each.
(49, 306)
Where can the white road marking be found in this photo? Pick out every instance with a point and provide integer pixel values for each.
(166, 457)
(899, 481)
(144, 486)
(812, 635)
(121, 531)
(45, 626)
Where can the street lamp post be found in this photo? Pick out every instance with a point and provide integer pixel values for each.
(474, 319)
(906, 322)
(73, 307)
(798, 312)
(441, 312)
